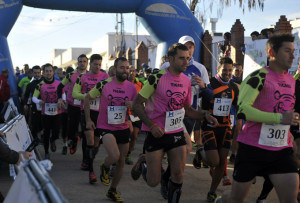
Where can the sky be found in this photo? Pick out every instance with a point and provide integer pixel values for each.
(38, 32)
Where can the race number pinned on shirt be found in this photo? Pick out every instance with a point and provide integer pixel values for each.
(174, 120)
(94, 104)
(116, 114)
(222, 106)
(274, 135)
(51, 109)
(77, 102)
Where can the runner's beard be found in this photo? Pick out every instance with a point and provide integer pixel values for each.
(122, 76)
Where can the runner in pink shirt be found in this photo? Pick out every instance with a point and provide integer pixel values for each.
(51, 111)
(83, 85)
(116, 96)
(167, 95)
(266, 102)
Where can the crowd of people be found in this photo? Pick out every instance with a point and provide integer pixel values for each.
(169, 105)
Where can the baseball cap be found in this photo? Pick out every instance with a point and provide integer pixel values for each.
(185, 39)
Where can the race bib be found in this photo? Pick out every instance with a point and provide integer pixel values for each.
(174, 120)
(94, 104)
(274, 135)
(77, 102)
(51, 109)
(222, 106)
(116, 114)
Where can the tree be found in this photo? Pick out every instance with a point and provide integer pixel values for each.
(251, 4)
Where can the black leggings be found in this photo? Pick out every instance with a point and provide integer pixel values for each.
(73, 121)
(50, 124)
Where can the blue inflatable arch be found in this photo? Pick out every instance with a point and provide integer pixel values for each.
(165, 20)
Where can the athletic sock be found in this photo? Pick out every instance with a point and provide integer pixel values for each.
(225, 170)
(174, 192)
(167, 174)
(267, 187)
(90, 156)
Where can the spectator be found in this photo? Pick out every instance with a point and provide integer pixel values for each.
(226, 47)
(264, 33)
(254, 35)
(112, 71)
(4, 87)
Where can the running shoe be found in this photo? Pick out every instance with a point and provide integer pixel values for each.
(218, 199)
(73, 147)
(261, 201)
(53, 146)
(104, 175)
(84, 166)
(136, 170)
(197, 159)
(226, 181)
(92, 178)
(64, 150)
(164, 190)
(128, 160)
(232, 159)
(211, 196)
(114, 196)
(204, 165)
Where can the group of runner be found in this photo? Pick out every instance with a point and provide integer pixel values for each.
(113, 109)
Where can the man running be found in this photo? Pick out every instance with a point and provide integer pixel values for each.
(116, 96)
(218, 98)
(168, 97)
(82, 86)
(51, 111)
(266, 102)
(74, 107)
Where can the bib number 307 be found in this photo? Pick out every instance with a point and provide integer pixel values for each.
(274, 135)
(116, 114)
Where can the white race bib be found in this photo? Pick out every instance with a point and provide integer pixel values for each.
(116, 114)
(77, 102)
(174, 120)
(222, 106)
(51, 109)
(94, 104)
(274, 135)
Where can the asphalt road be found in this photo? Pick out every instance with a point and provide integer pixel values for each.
(74, 186)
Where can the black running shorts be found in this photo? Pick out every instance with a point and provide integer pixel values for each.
(94, 118)
(252, 161)
(122, 136)
(137, 124)
(166, 142)
(216, 138)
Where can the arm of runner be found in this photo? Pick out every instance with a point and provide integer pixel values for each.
(36, 95)
(247, 95)
(76, 94)
(139, 109)
(200, 114)
(62, 84)
(86, 105)
(96, 91)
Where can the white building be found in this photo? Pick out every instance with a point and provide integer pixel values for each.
(106, 47)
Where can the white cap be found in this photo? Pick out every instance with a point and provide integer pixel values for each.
(185, 39)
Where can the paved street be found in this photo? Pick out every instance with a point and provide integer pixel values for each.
(74, 185)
